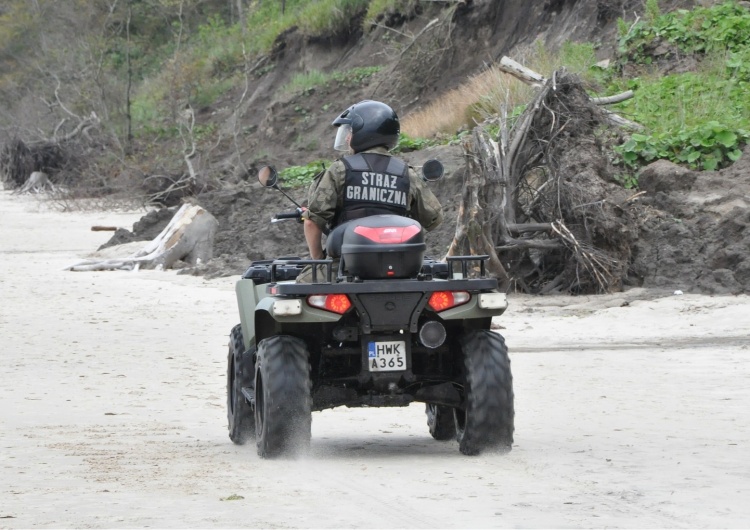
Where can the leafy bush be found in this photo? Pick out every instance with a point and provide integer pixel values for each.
(221, 44)
(702, 30)
(709, 146)
(407, 143)
(298, 176)
(700, 120)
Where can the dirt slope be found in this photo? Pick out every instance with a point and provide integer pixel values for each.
(294, 128)
(692, 227)
(695, 228)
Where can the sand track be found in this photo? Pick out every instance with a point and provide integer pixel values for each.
(632, 410)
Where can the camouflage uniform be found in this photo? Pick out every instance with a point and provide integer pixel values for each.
(327, 192)
(325, 199)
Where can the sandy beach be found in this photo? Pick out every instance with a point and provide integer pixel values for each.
(632, 410)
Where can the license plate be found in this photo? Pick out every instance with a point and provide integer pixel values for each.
(387, 356)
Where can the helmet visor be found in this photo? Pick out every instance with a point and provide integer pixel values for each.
(342, 137)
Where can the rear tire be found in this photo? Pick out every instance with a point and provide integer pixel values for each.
(487, 422)
(283, 406)
(240, 416)
(440, 422)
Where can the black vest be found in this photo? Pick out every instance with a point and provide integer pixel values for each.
(375, 184)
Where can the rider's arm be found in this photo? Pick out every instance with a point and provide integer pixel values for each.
(324, 198)
(425, 207)
(313, 235)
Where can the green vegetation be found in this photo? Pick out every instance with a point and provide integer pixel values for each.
(232, 497)
(329, 18)
(298, 176)
(697, 120)
(407, 143)
(376, 8)
(723, 27)
(316, 79)
(700, 120)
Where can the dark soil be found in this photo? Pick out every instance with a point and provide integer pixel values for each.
(688, 231)
(694, 229)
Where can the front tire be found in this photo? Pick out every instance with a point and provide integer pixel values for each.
(440, 422)
(487, 420)
(240, 373)
(283, 406)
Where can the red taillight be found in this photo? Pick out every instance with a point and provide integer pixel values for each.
(336, 303)
(388, 234)
(442, 300)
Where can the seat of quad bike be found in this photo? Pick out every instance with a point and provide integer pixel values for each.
(335, 240)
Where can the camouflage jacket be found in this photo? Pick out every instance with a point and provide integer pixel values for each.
(325, 197)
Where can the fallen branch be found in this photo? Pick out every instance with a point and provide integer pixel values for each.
(610, 100)
(616, 119)
(416, 37)
(519, 71)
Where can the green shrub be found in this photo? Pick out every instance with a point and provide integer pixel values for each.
(329, 18)
(376, 8)
(708, 146)
(298, 176)
(702, 30)
(407, 143)
(700, 120)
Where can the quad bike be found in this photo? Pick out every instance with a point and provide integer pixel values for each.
(387, 329)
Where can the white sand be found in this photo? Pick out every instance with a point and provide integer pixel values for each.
(113, 410)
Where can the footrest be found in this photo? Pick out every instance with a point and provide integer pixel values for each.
(249, 394)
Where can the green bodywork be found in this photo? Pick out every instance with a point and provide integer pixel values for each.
(255, 305)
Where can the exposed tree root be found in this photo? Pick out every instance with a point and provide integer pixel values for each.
(540, 201)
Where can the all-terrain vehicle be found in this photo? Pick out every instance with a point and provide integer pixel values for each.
(386, 329)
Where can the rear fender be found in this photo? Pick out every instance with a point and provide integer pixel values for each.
(268, 321)
(471, 310)
(247, 299)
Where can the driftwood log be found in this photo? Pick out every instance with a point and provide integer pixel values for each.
(188, 237)
(538, 197)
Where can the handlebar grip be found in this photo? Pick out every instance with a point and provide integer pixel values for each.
(291, 215)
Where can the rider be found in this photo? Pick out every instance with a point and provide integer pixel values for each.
(368, 180)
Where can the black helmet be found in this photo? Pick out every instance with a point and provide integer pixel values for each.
(371, 123)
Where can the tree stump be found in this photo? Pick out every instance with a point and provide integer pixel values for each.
(189, 237)
(37, 182)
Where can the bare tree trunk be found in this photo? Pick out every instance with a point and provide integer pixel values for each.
(128, 116)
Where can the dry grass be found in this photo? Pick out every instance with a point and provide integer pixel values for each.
(482, 96)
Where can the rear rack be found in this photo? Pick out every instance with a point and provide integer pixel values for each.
(423, 282)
